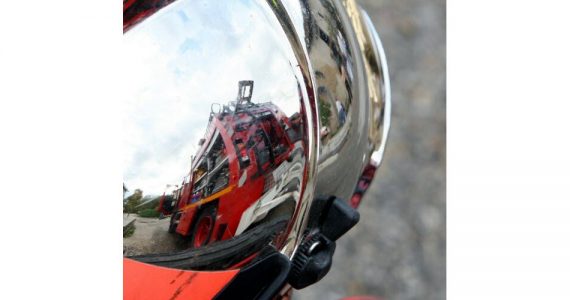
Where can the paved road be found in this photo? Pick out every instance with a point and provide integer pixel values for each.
(397, 251)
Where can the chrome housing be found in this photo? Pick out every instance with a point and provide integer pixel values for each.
(312, 111)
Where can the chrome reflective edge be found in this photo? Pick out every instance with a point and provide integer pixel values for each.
(385, 88)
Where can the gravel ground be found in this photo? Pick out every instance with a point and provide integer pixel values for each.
(397, 251)
(150, 236)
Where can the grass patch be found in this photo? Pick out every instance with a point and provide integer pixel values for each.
(129, 230)
(148, 213)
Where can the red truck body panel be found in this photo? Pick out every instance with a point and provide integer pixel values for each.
(236, 130)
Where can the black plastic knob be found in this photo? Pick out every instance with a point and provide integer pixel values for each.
(312, 261)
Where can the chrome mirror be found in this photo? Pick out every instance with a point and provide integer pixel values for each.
(212, 180)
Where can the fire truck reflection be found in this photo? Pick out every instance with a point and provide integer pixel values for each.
(248, 171)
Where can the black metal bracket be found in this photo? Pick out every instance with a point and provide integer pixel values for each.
(329, 219)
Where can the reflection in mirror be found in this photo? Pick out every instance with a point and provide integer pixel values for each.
(211, 179)
(342, 111)
(246, 174)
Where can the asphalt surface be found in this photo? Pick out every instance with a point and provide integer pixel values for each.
(397, 251)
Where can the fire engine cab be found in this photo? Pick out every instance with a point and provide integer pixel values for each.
(248, 169)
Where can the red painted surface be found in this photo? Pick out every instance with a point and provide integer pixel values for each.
(362, 185)
(185, 221)
(135, 11)
(143, 281)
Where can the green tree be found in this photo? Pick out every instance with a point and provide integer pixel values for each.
(324, 111)
(133, 201)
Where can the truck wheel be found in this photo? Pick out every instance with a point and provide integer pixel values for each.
(204, 226)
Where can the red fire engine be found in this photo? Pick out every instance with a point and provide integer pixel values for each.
(249, 166)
